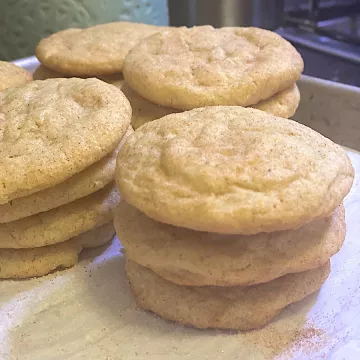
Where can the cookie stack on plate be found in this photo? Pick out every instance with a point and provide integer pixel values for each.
(180, 69)
(59, 141)
(229, 214)
(97, 51)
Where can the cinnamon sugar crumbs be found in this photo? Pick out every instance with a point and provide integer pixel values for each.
(310, 339)
(285, 343)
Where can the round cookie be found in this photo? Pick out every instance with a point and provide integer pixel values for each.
(195, 258)
(237, 307)
(62, 223)
(187, 68)
(12, 75)
(27, 263)
(88, 181)
(283, 104)
(97, 50)
(232, 170)
(54, 129)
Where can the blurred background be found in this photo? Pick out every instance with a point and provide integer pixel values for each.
(24, 22)
(326, 32)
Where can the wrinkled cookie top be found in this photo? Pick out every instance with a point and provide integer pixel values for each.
(188, 68)
(97, 50)
(232, 170)
(53, 129)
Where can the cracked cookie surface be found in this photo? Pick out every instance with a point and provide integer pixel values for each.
(190, 68)
(97, 50)
(53, 129)
(232, 170)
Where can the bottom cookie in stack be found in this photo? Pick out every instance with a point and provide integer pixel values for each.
(234, 307)
(38, 244)
(224, 281)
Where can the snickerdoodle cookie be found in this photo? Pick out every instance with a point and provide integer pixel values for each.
(237, 307)
(62, 223)
(283, 104)
(232, 170)
(88, 181)
(26, 263)
(189, 68)
(97, 50)
(12, 75)
(195, 258)
(56, 128)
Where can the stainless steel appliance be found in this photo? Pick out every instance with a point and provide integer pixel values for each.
(326, 32)
(262, 13)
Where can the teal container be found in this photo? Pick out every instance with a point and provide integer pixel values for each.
(23, 23)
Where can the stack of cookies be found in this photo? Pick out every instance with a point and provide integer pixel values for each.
(169, 70)
(229, 214)
(97, 51)
(180, 69)
(58, 148)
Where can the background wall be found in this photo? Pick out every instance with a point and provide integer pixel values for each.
(24, 22)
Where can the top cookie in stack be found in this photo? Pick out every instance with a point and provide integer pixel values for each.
(232, 170)
(58, 147)
(95, 51)
(183, 68)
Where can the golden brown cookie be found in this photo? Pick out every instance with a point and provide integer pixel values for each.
(62, 223)
(97, 50)
(283, 104)
(88, 181)
(56, 128)
(27, 263)
(187, 68)
(237, 307)
(195, 258)
(12, 75)
(232, 170)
